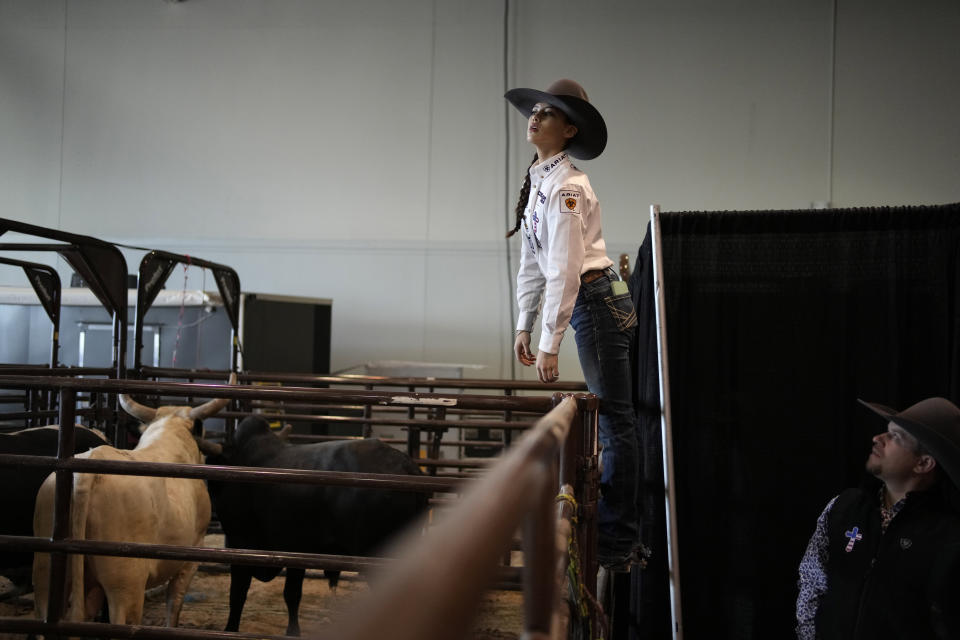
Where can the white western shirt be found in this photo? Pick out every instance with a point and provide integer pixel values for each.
(562, 239)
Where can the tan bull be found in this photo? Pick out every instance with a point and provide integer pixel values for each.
(140, 509)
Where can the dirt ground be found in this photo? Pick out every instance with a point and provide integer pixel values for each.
(207, 605)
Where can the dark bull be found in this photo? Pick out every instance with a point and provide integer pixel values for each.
(19, 486)
(305, 518)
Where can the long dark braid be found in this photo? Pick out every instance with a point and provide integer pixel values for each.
(524, 196)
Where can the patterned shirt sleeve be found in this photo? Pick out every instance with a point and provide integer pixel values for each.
(530, 284)
(813, 578)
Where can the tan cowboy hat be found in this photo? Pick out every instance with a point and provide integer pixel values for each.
(569, 97)
(935, 423)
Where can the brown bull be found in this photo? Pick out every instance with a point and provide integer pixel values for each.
(140, 509)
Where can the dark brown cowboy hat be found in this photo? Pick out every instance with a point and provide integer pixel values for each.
(935, 423)
(569, 97)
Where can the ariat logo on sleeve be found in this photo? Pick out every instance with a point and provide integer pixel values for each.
(569, 201)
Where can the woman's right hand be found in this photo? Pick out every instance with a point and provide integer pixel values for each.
(521, 347)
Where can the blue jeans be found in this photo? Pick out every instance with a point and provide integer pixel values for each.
(604, 326)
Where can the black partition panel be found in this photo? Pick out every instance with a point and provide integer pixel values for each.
(776, 323)
(286, 334)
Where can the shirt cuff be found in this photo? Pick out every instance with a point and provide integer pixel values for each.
(526, 320)
(550, 342)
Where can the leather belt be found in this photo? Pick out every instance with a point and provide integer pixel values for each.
(590, 276)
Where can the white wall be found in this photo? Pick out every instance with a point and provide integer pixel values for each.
(897, 125)
(358, 151)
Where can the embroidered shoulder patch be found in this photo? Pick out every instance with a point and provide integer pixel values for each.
(569, 201)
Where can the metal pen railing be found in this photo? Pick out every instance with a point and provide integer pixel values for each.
(576, 466)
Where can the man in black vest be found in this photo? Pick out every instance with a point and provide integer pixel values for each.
(884, 561)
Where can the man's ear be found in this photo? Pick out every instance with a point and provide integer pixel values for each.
(925, 464)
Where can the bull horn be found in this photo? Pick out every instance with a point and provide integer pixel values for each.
(208, 408)
(209, 448)
(211, 407)
(141, 412)
(284, 433)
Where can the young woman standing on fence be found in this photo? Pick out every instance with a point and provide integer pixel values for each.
(563, 261)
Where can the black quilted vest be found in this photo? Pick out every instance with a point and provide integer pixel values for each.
(887, 585)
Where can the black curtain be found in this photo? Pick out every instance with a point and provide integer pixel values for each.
(777, 321)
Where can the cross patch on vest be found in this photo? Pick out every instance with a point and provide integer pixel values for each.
(569, 201)
(855, 536)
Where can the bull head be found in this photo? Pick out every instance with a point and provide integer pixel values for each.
(209, 448)
(147, 414)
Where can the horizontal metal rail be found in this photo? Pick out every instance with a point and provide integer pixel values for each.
(353, 407)
(306, 438)
(465, 463)
(366, 397)
(260, 475)
(425, 423)
(255, 557)
(213, 555)
(350, 379)
(45, 370)
(20, 415)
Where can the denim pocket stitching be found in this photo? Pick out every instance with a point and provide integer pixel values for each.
(623, 319)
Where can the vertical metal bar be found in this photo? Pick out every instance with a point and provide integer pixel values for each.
(435, 435)
(118, 364)
(55, 345)
(571, 453)
(368, 413)
(139, 311)
(28, 408)
(122, 347)
(54, 353)
(61, 514)
(666, 423)
(507, 435)
(234, 350)
(589, 480)
(230, 424)
(93, 403)
(539, 558)
(413, 432)
(118, 437)
(48, 404)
